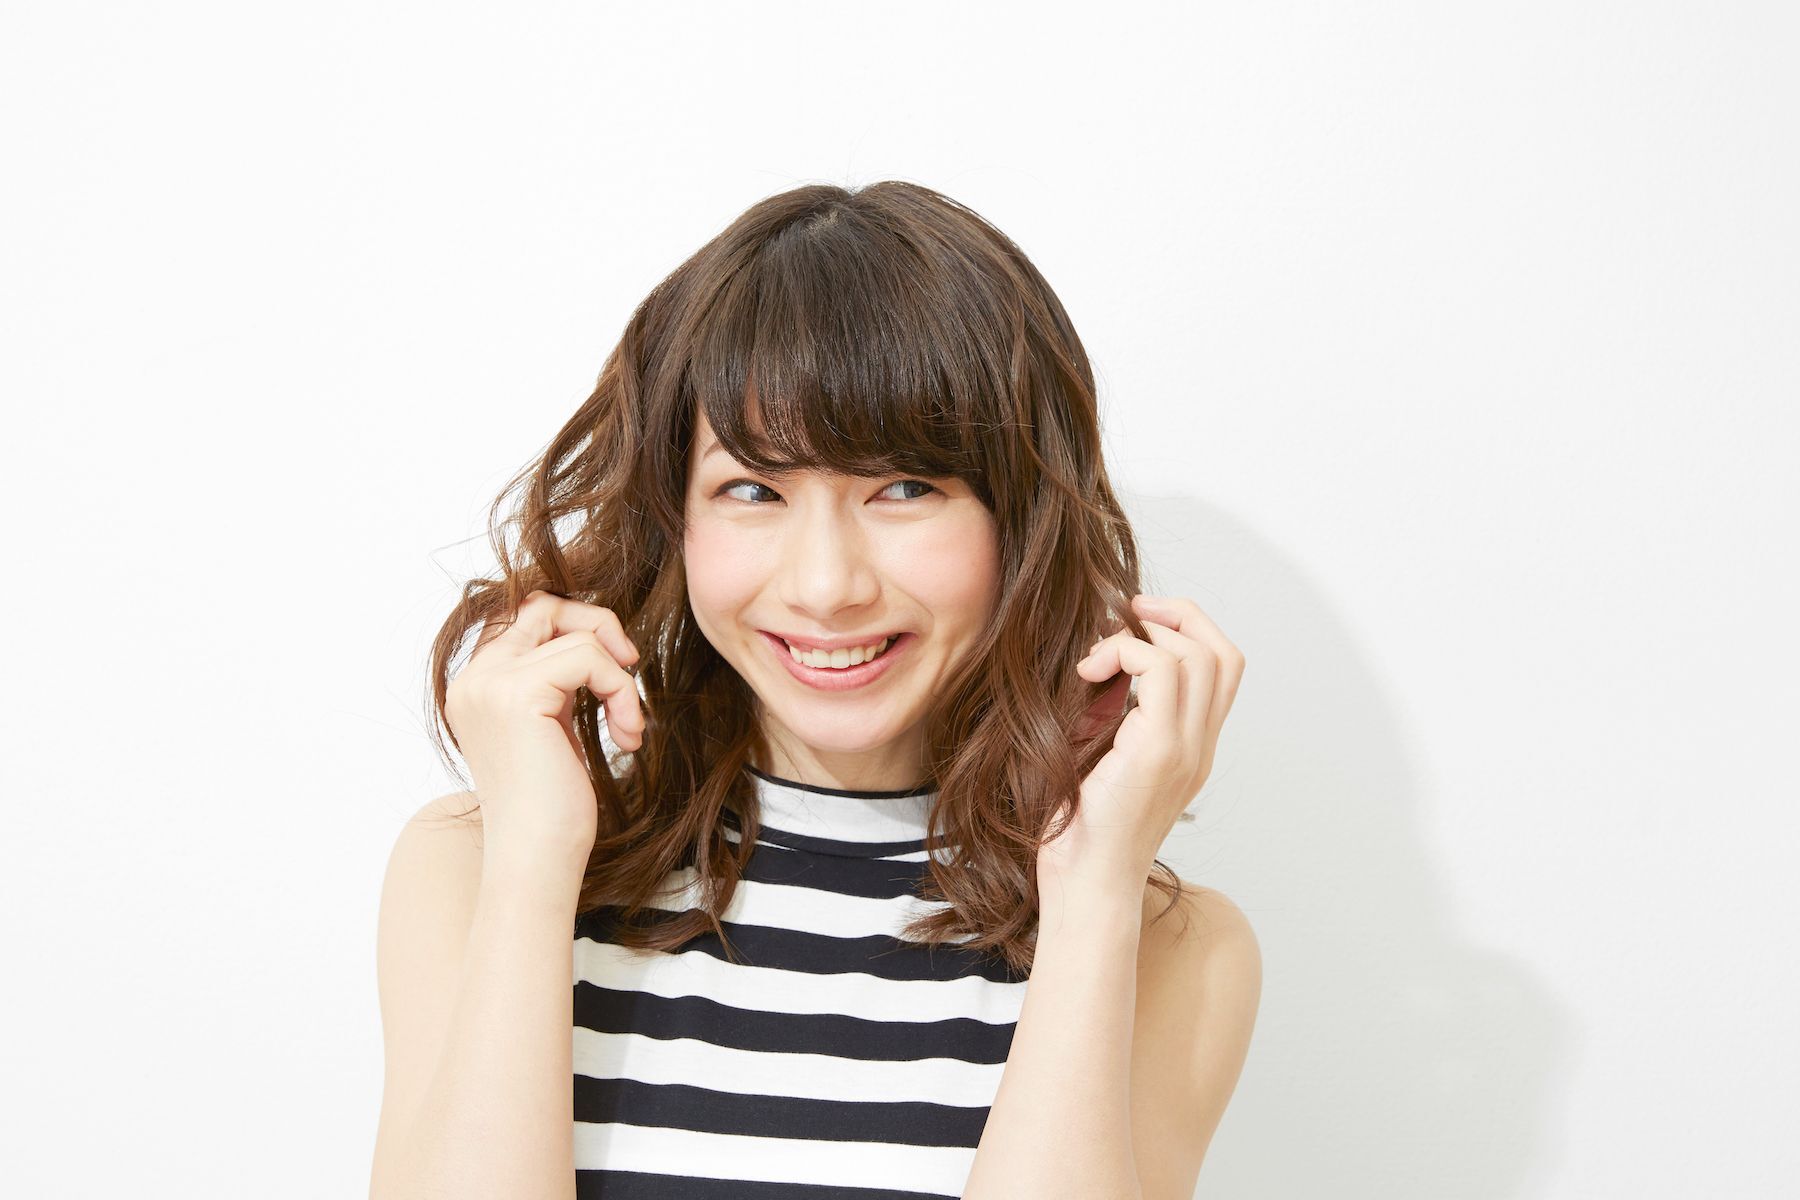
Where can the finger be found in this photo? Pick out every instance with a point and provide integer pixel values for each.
(1105, 651)
(577, 658)
(530, 627)
(625, 706)
(1187, 618)
(545, 616)
(1157, 674)
(1198, 665)
(1166, 639)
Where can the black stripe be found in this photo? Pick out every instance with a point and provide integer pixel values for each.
(812, 843)
(867, 878)
(639, 1185)
(702, 1110)
(624, 1010)
(823, 845)
(881, 955)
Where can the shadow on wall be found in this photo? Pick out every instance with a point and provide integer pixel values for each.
(1392, 1059)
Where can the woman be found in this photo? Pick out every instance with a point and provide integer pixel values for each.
(863, 876)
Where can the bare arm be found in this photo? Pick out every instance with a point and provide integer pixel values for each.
(475, 951)
(1060, 1124)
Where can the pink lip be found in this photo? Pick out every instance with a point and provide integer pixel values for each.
(826, 679)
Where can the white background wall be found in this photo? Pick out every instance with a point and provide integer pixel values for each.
(1448, 357)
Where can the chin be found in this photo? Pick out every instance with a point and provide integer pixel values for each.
(842, 731)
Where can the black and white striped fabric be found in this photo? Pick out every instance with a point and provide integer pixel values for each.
(834, 1061)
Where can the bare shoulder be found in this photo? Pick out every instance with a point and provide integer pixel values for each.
(1202, 946)
(454, 812)
(447, 826)
(433, 871)
(436, 859)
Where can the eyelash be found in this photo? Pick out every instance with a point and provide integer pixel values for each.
(753, 483)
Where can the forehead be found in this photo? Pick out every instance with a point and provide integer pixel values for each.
(707, 451)
(706, 442)
(704, 437)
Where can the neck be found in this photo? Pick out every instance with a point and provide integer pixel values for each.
(859, 772)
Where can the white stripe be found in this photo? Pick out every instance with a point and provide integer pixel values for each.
(772, 1073)
(800, 908)
(770, 989)
(938, 1170)
(843, 818)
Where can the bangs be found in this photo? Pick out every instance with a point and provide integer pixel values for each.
(841, 347)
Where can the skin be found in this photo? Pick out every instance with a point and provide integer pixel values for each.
(838, 555)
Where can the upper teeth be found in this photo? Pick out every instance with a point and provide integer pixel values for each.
(838, 658)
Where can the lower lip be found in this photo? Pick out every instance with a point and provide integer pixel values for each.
(828, 680)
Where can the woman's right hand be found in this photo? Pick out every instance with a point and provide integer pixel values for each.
(512, 708)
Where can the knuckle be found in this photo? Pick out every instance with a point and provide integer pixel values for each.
(618, 626)
(468, 695)
(594, 649)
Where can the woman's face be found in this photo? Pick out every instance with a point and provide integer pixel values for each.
(838, 559)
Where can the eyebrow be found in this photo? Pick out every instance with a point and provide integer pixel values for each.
(718, 447)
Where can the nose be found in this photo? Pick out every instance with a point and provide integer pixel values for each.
(827, 565)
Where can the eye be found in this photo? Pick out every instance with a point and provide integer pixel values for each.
(751, 483)
(904, 482)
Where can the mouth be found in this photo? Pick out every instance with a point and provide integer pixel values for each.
(819, 669)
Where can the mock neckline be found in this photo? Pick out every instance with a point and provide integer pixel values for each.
(868, 824)
(924, 789)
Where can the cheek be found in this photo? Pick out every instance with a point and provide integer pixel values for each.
(956, 575)
(723, 568)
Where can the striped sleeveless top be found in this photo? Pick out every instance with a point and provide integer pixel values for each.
(832, 1062)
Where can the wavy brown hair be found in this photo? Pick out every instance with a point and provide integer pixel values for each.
(877, 331)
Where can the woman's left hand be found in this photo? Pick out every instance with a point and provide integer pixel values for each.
(1186, 677)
